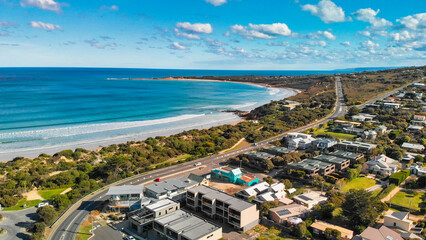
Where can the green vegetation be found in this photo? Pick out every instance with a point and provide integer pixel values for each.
(325, 131)
(48, 194)
(358, 183)
(383, 193)
(84, 233)
(398, 177)
(21, 203)
(271, 233)
(404, 198)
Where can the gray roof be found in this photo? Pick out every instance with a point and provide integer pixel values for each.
(278, 149)
(358, 144)
(210, 193)
(125, 189)
(171, 185)
(400, 215)
(310, 164)
(330, 158)
(262, 155)
(196, 177)
(412, 146)
(343, 154)
(157, 206)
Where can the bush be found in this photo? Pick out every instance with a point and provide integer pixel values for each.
(1, 217)
(47, 214)
(399, 177)
(8, 201)
(36, 236)
(333, 234)
(39, 227)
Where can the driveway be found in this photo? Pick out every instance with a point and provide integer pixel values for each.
(16, 222)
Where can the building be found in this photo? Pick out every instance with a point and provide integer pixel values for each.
(412, 147)
(354, 157)
(253, 191)
(418, 170)
(339, 163)
(275, 192)
(290, 105)
(284, 213)
(319, 228)
(310, 199)
(363, 117)
(348, 129)
(277, 151)
(248, 180)
(391, 105)
(312, 166)
(299, 140)
(358, 147)
(369, 135)
(414, 128)
(216, 204)
(419, 120)
(127, 197)
(227, 174)
(381, 129)
(165, 219)
(171, 188)
(382, 165)
(259, 156)
(399, 220)
(203, 180)
(383, 233)
(323, 143)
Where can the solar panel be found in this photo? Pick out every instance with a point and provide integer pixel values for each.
(283, 212)
(305, 198)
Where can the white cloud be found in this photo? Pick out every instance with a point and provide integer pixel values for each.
(327, 35)
(217, 2)
(279, 44)
(315, 35)
(94, 43)
(370, 16)
(45, 26)
(205, 28)
(369, 46)
(327, 11)
(414, 22)
(111, 8)
(316, 43)
(274, 29)
(49, 5)
(114, 8)
(186, 35)
(346, 44)
(249, 34)
(177, 46)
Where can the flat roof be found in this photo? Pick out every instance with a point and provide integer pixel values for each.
(344, 154)
(171, 185)
(125, 189)
(310, 197)
(331, 158)
(248, 178)
(157, 206)
(278, 149)
(310, 164)
(412, 145)
(358, 144)
(323, 226)
(263, 155)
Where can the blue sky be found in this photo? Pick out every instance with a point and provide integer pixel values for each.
(213, 34)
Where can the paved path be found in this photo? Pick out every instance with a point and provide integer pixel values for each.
(16, 222)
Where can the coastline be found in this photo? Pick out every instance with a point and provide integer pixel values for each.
(226, 118)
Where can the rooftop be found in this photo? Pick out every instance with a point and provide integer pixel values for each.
(263, 155)
(343, 154)
(399, 215)
(310, 164)
(248, 178)
(323, 226)
(310, 197)
(171, 185)
(358, 144)
(125, 189)
(162, 204)
(413, 146)
(289, 210)
(331, 158)
(383, 233)
(279, 149)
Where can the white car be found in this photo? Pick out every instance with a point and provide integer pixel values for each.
(43, 204)
(197, 164)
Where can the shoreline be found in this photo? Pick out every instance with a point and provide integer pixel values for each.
(95, 144)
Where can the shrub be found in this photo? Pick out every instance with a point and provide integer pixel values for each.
(399, 177)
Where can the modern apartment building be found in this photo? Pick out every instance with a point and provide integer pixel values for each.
(354, 157)
(172, 188)
(125, 197)
(358, 147)
(216, 204)
(312, 166)
(340, 163)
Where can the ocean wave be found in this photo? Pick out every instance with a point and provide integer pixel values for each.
(245, 105)
(93, 128)
(273, 91)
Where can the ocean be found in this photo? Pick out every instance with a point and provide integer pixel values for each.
(46, 110)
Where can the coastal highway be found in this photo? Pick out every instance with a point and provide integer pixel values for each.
(70, 223)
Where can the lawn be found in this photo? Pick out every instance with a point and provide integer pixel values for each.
(48, 194)
(270, 233)
(21, 202)
(404, 199)
(359, 183)
(376, 192)
(323, 131)
(83, 233)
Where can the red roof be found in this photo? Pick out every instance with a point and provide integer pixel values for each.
(248, 178)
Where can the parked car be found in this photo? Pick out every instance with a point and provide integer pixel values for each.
(157, 179)
(129, 238)
(43, 204)
(197, 164)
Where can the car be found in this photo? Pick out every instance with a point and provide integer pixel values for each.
(157, 179)
(197, 164)
(129, 238)
(43, 204)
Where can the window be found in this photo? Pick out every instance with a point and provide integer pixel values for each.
(209, 236)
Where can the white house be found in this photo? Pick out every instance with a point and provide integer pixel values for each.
(299, 140)
(381, 129)
(412, 147)
(399, 220)
(369, 134)
(363, 117)
(418, 171)
(382, 165)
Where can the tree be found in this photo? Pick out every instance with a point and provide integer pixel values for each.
(300, 230)
(418, 158)
(353, 111)
(39, 227)
(287, 183)
(269, 180)
(265, 206)
(47, 214)
(60, 201)
(333, 234)
(360, 208)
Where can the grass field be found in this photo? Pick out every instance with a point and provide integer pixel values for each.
(83, 233)
(404, 199)
(359, 183)
(271, 233)
(21, 202)
(323, 131)
(48, 194)
(376, 192)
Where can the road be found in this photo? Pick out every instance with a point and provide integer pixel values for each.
(69, 227)
(16, 223)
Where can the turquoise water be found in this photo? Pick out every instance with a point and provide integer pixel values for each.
(48, 110)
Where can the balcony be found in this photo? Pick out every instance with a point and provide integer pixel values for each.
(234, 215)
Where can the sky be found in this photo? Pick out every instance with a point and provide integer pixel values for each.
(213, 34)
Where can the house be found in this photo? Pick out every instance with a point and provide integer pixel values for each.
(382, 165)
(339, 163)
(358, 147)
(354, 157)
(363, 117)
(258, 156)
(227, 174)
(419, 120)
(299, 140)
(311, 166)
(348, 130)
(165, 219)
(383, 233)
(408, 157)
(319, 228)
(414, 128)
(253, 191)
(247, 180)
(399, 220)
(323, 143)
(290, 105)
(126, 197)
(418, 170)
(277, 151)
(216, 204)
(310, 199)
(412, 147)
(391, 105)
(284, 213)
(171, 188)
(381, 129)
(275, 192)
(369, 135)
